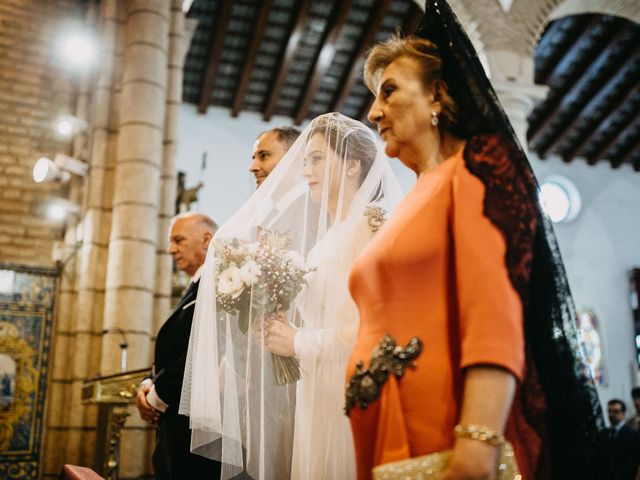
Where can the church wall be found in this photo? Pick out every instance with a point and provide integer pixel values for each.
(599, 248)
(33, 91)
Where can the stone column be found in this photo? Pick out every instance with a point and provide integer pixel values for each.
(512, 78)
(131, 266)
(162, 296)
(518, 100)
(71, 426)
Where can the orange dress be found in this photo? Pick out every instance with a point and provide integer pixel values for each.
(436, 270)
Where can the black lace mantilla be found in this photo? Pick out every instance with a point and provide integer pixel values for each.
(387, 358)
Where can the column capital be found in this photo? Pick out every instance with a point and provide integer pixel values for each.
(518, 100)
(520, 95)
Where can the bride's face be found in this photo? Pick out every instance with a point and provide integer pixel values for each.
(322, 165)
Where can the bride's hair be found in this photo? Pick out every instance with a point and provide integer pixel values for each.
(348, 139)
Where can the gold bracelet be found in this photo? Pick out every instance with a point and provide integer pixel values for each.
(480, 433)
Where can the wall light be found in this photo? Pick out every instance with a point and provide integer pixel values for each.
(60, 169)
(46, 171)
(68, 125)
(560, 199)
(77, 47)
(59, 209)
(56, 211)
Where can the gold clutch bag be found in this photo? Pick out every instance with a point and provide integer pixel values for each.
(431, 467)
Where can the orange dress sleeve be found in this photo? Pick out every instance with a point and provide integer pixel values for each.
(490, 312)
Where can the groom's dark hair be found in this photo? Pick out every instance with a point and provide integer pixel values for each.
(286, 135)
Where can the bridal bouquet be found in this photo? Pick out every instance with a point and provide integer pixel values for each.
(258, 279)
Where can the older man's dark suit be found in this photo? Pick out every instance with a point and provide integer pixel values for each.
(172, 459)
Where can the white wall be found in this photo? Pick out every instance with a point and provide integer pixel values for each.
(599, 248)
(229, 142)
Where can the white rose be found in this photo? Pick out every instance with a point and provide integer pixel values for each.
(230, 282)
(250, 272)
(296, 260)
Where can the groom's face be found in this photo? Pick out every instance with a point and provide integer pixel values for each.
(267, 152)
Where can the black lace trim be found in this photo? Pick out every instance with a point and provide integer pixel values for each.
(509, 203)
(557, 397)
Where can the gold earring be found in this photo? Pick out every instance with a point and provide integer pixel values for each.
(434, 118)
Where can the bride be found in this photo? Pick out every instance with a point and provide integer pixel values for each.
(330, 193)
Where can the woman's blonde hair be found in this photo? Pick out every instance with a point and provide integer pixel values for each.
(426, 52)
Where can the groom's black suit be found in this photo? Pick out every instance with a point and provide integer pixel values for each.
(172, 459)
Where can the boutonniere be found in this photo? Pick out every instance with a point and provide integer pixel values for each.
(376, 217)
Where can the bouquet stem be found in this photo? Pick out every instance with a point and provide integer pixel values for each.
(285, 369)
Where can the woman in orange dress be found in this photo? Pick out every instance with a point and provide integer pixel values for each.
(466, 323)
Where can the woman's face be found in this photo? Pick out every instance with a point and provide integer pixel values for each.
(322, 165)
(402, 108)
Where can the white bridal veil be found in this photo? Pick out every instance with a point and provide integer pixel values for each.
(327, 196)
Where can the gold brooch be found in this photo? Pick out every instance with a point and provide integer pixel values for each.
(376, 217)
(387, 358)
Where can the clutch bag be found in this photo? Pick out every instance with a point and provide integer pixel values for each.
(432, 466)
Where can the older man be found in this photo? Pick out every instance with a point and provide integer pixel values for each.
(159, 397)
(269, 149)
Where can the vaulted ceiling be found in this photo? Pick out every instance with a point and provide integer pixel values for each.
(301, 58)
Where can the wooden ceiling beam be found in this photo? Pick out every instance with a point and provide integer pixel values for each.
(323, 58)
(410, 24)
(632, 138)
(215, 50)
(357, 59)
(601, 66)
(601, 153)
(259, 27)
(636, 162)
(573, 53)
(631, 157)
(295, 34)
(604, 100)
(612, 113)
(553, 73)
(568, 27)
(366, 106)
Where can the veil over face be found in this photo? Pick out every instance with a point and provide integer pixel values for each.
(239, 413)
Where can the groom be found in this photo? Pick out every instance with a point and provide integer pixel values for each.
(268, 150)
(159, 397)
